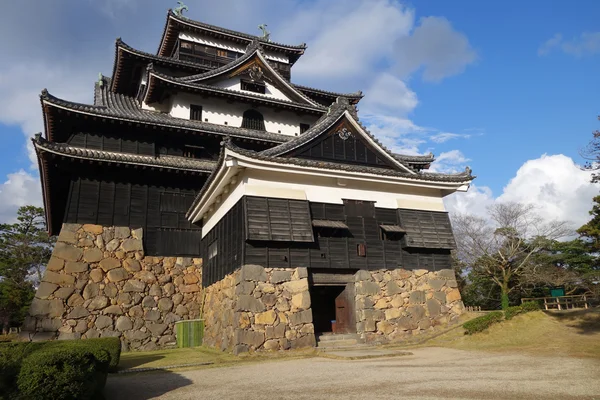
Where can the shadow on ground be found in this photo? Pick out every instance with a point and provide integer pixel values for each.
(156, 384)
(137, 360)
(585, 321)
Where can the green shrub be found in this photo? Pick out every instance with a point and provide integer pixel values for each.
(58, 372)
(112, 345)
(11, 356)
(510, 312)
(480, 324)
(530, 306)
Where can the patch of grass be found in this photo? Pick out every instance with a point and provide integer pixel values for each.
(545, 333)
(192, 355)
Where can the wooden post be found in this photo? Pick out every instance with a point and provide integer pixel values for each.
(545, 304)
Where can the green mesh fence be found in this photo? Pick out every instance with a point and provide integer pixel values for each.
(189, 333)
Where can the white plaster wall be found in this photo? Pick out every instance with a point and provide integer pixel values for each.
(323, 190)
(234, 83)
(220, 112)
(229, 45)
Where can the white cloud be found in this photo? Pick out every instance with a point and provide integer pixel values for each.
(443, 137)
(20, 188)
(586, 44)
(389, 95)
(554, 184)
(349, 41)
(436, 48)
(449, 162)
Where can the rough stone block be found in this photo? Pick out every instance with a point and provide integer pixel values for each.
(392, 313)
(67, 237)
(152, 315)
(56, 308)
(45, 290)
(365, 302)
(281, 276)
(367, 288)
(165, 304)
(94, 229)
(452, 283)
(437, 284)
(250, 272)
(69, 336)
(157, 329)
(67, 252)
(113, 310)
(446, 274)
(417, 312)
(304, 341)
(189, 288)
(301, 300)
(277, 332)
(43, 336)
(362, 275)
(72, 267)
(392, 288)
(406, 324)
(98, 303)
(440, 296)
(130, 245)
(452, 295)
(425, 323)
(250, 338)
(55, 264)
(39, 307)
(58, 279)
(136, 335)
(302, 317)
(132, 266)
(50, 324)
(265, 318)
(93, 255)
(240, 348)
(96, 275)
(385, 327)
(249, 303)
(123, 324)
(298, 286)
(103, 322)
(117, 275)
(122, 232)
(433, 306)
(271, 344)
(109, 263)
(134, 285)
(75, 300)
(90, 291)
(417, 297)
(112, 245)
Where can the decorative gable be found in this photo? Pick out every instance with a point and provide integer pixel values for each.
(342, 142)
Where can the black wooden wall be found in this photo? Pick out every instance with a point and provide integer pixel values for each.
(155, 201)
(331, 248)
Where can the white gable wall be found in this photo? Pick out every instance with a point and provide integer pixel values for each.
(234, 84)
(217, 111)
(324, 190)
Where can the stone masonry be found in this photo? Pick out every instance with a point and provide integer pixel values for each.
(394, 304)
(98, 283)
(258, 308)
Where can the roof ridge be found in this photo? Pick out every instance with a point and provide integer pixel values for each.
(357, 94)
(171, 14)
(177, 80)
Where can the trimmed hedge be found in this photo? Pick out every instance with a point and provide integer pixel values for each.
(530, 306)
(63, 373)
(13, 357)
(510, 312)
(480, 324)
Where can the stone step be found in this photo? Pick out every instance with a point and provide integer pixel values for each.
(337, 336)
(335, 344)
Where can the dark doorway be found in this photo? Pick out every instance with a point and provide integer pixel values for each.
(333, 303)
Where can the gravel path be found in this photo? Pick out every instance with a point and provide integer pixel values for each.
(431, 373)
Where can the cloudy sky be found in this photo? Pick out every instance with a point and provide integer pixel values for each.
(506, 87)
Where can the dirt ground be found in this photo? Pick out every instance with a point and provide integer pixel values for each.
(430, 373)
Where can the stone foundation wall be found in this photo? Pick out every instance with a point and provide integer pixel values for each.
(98, 283)
(264, 308)
(392, 305)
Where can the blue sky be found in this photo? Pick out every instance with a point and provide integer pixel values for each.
(504, 87)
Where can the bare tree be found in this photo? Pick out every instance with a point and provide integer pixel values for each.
(592, 154)
(501, 247)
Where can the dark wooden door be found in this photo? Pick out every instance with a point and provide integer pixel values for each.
(345, 321)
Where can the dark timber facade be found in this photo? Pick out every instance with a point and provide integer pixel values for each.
(202, 176)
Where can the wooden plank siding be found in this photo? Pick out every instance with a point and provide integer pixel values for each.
(426, 229)
(159, 210)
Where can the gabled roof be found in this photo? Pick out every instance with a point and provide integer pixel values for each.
(341, 109)
(125, 55)
(156, 79)
(329, 96)
(253, 56)
(176, 23)
(123, 108)
(233, 156)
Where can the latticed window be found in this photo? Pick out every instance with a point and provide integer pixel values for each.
(253, 120)
(195, 112)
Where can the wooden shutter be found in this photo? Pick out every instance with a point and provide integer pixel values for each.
(278, 220)
(426, 229)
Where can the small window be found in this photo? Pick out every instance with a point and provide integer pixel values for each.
(361, 250)
(186, 47)
(304, 127)
(190, 151)
(252, 119)
(253, 87)
(195, 112)
(222, 53)
(213, 250)
(208, 50)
